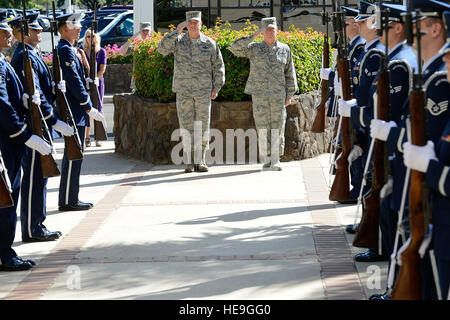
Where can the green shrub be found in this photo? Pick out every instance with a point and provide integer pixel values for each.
(153, 71)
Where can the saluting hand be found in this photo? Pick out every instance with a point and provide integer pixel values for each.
(287, 101)
(181, 26)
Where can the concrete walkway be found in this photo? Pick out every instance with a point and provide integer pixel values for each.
(158, 233)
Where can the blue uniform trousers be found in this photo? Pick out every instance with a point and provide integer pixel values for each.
(8, 216)
(33, 195)
(69, 185)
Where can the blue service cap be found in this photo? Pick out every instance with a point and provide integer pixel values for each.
(350, 12)
(429, 8)
(3, 20)
(32, 22)
(396, 11)
(71, 19)
(446, 16)
(366, 10)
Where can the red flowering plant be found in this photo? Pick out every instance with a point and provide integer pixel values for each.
(153, 71)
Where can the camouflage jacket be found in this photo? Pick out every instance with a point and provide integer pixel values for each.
(272, 71)
(198, 65)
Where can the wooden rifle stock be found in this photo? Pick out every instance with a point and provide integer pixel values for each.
(340, 190)
(408, 286)
(319, 121)
(368, 230)
(6, 200)
(48, 164)
(73, 147)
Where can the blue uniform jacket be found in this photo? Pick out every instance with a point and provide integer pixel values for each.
(14, 129)
(438, 178)
(355, 49)
(73, 74)
(42, 77)
(437, 91)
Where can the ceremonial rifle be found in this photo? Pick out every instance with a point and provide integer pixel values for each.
(6, 200)
(408, 285)
(368, 230)
(340, 190)
(48, 163)
(73, 143)
(319, 121)
(99, 128)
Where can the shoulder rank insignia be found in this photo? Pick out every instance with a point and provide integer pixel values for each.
(437, 108)
(70, 64)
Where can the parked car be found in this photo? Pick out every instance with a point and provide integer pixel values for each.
(112, 31)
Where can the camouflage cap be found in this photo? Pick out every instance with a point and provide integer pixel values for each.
(146, 26)
(269, 22)
(194, 15)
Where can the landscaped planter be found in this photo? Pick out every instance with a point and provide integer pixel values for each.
(143, 128)
(118, 78)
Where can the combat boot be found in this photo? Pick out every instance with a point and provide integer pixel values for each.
(202, 167)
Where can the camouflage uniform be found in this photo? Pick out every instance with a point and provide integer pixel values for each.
(198, 70)
(272, 79)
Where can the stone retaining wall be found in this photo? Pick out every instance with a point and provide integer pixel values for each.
(118, 78)
(143, 128)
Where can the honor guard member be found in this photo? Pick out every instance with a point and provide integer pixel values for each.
(80, 104)
(272, 83)
(15, 134)
(34, 186)
(437, 98)
(199, 74)
(434, 160)
(402, 61)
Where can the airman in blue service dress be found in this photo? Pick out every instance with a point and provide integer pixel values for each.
(15, 134)
(81, 106)
(401, 62)
(436, 90)
(34, 186)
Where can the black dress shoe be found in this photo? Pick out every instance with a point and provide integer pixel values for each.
(45, 236)
(45, 229)
(352, 228)
(370, 255)
(350, 201)
(16, 265)
(383, 296)
(76, 207)
(26, 260)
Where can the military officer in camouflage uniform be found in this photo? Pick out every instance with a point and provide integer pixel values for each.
(272, 82)
(199, 74)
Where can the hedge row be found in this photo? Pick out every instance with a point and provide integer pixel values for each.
(153, 71)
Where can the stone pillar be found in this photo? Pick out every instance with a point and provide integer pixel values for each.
(143, 12)
(67, 6)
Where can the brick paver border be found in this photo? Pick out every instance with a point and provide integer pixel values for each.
(42, 277)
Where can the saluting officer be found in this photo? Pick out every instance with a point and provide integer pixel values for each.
(437, 93)
(198, 76)
(34, 186)
(272, 83)
(15, 134)
(434, 160)
(80, 104)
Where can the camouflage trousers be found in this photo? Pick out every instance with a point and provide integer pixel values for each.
(194, 113)
(270, 118)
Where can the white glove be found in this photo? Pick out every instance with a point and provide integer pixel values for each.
(94, 114)
(345, 106)
(355, 153)
(337, 88)
(325, 73)
(62, 86)
(25, 98)
(36, 99)
(418, 158)
(63, 128)
(36, 143)
(379, 129)
(89, 81)
(53, 87)
(96, 81)
(387, 189)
